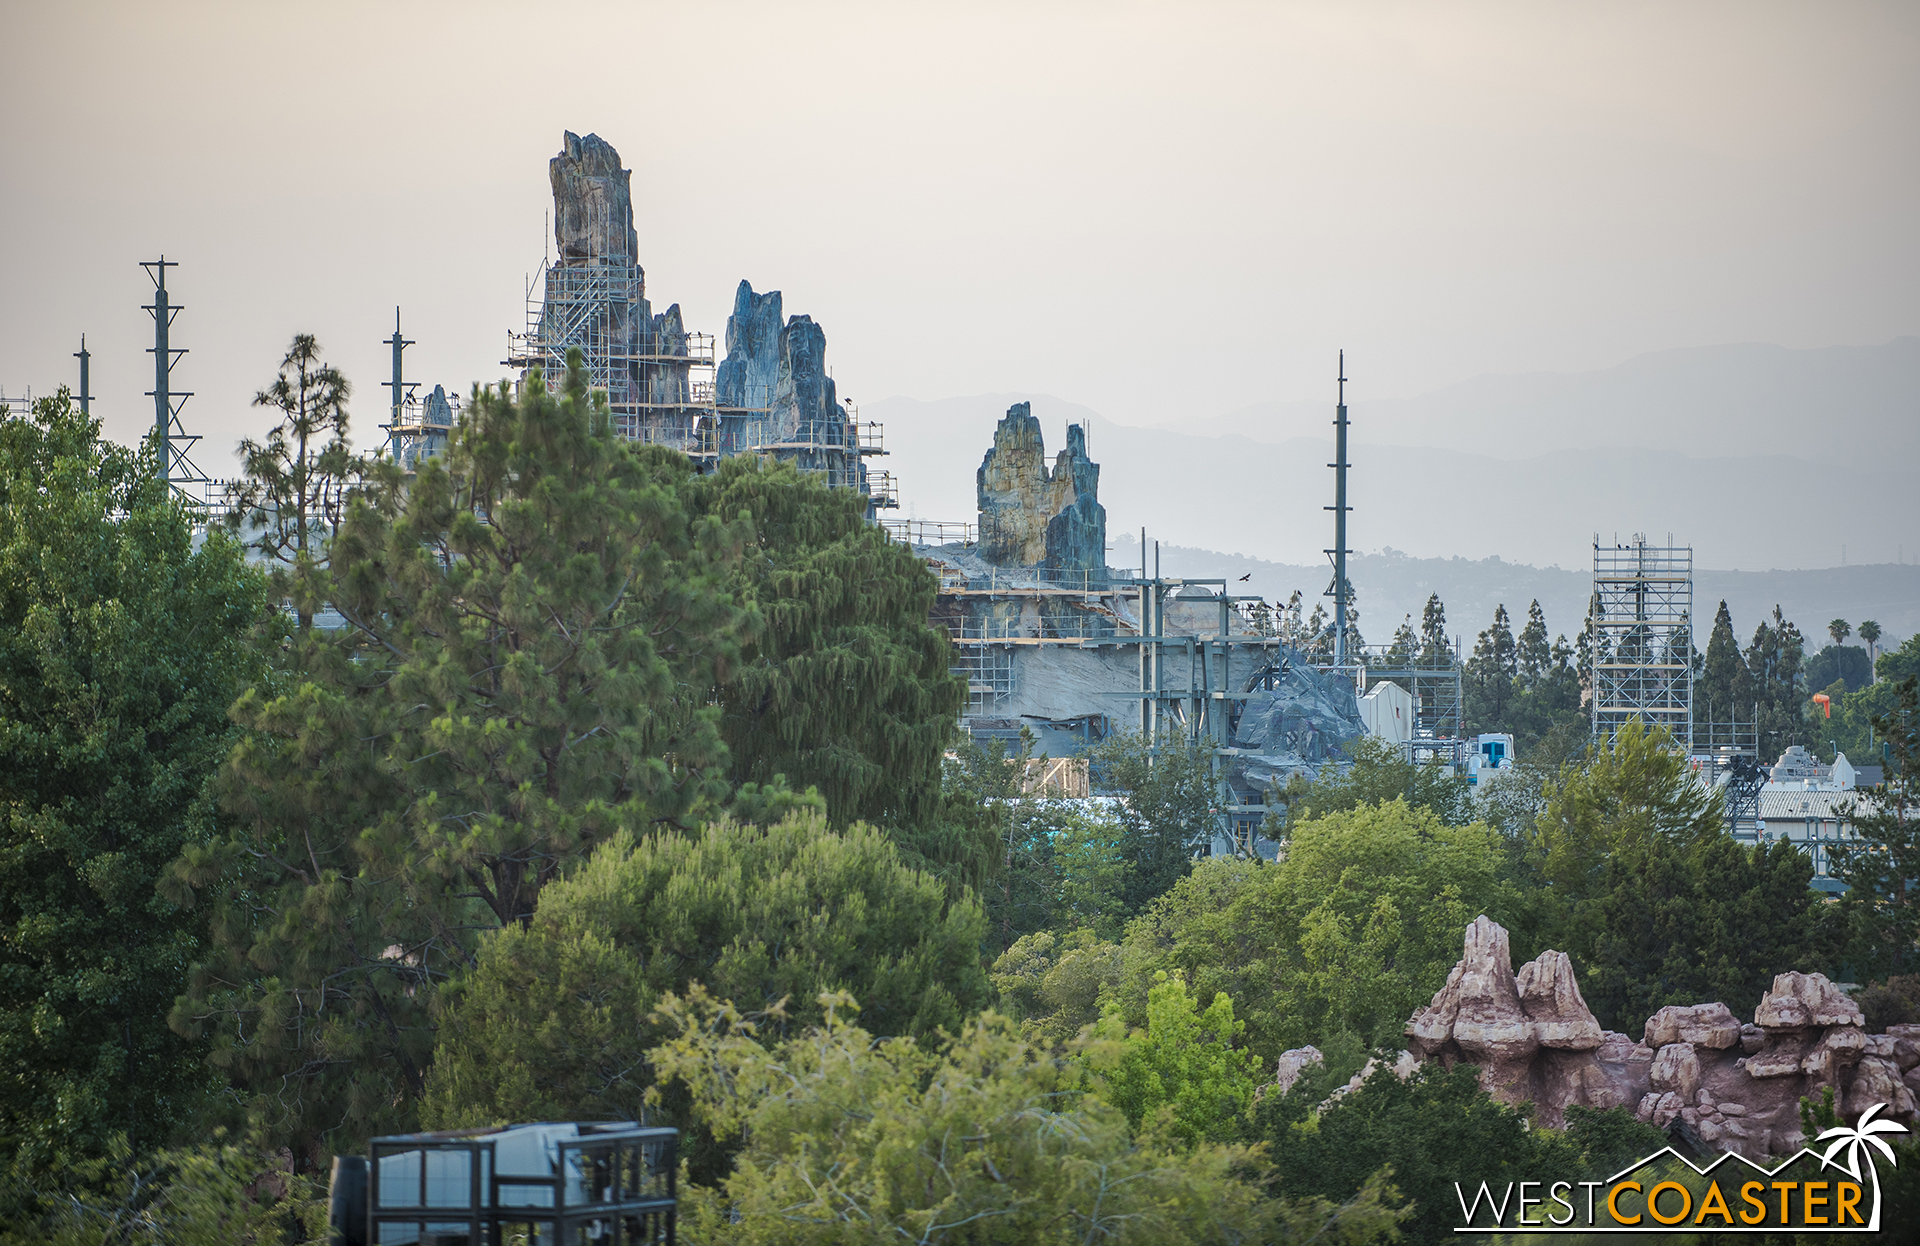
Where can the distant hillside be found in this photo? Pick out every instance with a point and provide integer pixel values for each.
(1266, 500)
(1393, 585)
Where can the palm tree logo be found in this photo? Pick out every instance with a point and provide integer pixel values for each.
(1855, 1141)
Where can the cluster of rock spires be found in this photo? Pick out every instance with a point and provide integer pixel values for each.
(1030, 517)
(772, 391)
(1733, 1086)
(1044, 528)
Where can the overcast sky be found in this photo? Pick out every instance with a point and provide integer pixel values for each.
(1149, 209)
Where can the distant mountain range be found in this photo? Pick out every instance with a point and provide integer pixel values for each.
(1757, 456)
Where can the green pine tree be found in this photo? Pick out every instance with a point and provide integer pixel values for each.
(1882, 863)
(845, 688)
(1534, 653)
(535, 629)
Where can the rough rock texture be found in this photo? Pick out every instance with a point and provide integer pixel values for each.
(1551, 999)
(774, 389)
(755, 338)
(1799, 1000)
(1032, 517)
(593, 225)
(592, 201)
(1736, 1087)
(1307, 719)
(1292, 1064)
(1709, 1025)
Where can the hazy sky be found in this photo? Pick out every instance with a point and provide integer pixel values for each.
(1150, 209)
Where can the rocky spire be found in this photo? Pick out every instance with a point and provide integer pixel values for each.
(1032, 517)
(592, 202)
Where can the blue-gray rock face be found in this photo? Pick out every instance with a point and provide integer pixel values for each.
(748, 374)
(592, 202)
(774, 391)
(1032, 517)
(439, 408)
(1305, 722)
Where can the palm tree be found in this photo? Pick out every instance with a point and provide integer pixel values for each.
(1839, 629)
(1870, 632)
(1855, 1141)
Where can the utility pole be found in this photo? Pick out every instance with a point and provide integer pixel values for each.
(175, 467)
(1340, 508)
(397, 384)
(85, 395)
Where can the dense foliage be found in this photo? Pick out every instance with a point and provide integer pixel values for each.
(1431, 1130)
(842, 686)
(552, 1023)
(1882, 865)
(570, 781)
(532, 625)
(122, 642)
(986, 1138)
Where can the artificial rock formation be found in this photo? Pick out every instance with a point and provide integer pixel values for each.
(1735, 1086)
(1032, 517)
(592, 202)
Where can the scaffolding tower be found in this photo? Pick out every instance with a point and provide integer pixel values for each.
(661, 380)
(1640, 624)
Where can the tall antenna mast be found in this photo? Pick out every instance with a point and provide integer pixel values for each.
(1340, 508)
(401, 388)
(175, 467)
(85, 395)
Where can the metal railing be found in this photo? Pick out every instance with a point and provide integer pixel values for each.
(929, 532)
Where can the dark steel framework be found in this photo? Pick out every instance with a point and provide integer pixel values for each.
(175, 467)
(612, 1186)
(1339, 589)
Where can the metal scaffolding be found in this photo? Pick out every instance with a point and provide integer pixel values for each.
(1641, 629)
(661, 380)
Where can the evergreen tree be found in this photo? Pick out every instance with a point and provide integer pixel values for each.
(535, 628)
(845, 687)
(1406, 644)
(1773, 662)
(1435, 649)
(1881, 864)
(294, 485)
(1839, 629)
(1490, 672)
(553, 1023)
(122, 643)
(1722, 693)
(1433, 1129)
(1534, 654)
(1628, 790)
(1678, 922)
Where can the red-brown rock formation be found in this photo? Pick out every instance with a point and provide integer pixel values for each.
(1737, 1085)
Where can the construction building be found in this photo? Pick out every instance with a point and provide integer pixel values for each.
(1055, 643)
(770, 393)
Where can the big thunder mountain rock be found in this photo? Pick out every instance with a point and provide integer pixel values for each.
(1735, 1086)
